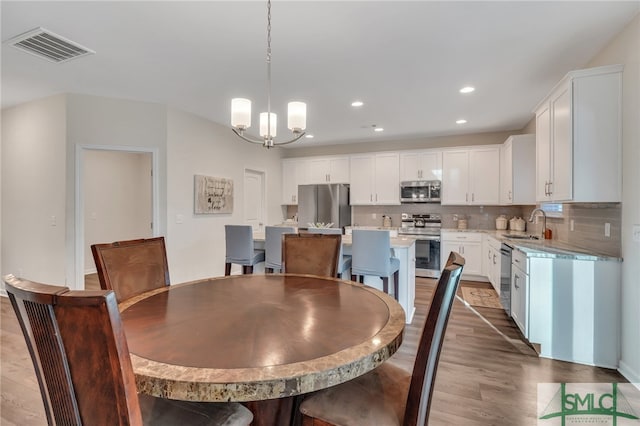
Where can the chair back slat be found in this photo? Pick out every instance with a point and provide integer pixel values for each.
(315, 254)
(79, 351)
(131, 267)
(431, 340)
(38, 325)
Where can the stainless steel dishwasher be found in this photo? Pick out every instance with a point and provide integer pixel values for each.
(505, 277)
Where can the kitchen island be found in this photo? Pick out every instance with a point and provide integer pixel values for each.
(404, 248)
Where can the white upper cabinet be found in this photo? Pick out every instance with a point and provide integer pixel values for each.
(375, 179)
(471, 176)
(455, 177)
(518, 154)
(578, 138)
(328, 170)
(293, 174)
(421, 165)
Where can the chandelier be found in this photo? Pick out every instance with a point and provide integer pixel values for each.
(241, 110)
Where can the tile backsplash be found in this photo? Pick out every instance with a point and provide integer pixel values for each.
(588, 221)
(588, 226)
(477, 217)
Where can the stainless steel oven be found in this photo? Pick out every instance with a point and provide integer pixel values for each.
(425, 228)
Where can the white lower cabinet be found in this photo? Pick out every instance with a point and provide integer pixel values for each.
(492, 262)
(569, 308)
(520, 291)
(467, 244)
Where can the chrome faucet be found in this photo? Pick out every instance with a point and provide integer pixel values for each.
(544, 219)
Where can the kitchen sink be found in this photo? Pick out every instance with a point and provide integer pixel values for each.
(522, 237)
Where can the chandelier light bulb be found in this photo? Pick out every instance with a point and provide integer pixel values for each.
(272, 124)
(297, 121)
(240, 113)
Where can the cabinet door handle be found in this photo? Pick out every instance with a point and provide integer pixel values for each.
(550, 190)
(494, 259)
(371, 197)
(515, 281)
(466, 197)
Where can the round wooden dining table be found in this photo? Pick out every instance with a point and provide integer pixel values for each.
(258, 338)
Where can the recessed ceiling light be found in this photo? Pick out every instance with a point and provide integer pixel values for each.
(378, 129)
(461, 121)
(308, 136)
(357, 103)
(467, 89)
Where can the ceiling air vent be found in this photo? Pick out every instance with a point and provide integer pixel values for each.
(50, 46)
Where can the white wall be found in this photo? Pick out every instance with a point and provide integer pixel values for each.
(196, 247)
(625, 49)
(117, 198)
(33, 190)
(98, 121)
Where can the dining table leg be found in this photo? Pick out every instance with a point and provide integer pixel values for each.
(273, 412)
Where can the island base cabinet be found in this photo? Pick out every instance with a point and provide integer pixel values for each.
(574, 310)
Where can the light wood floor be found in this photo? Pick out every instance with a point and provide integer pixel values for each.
(487, 375)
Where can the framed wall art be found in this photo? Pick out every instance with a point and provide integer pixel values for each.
(213, 195)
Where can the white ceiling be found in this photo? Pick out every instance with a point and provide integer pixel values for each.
(405, 60)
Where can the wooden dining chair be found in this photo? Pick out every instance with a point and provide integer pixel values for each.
(344, 261)
(79, 350)
(315, 254)
(131, 267)
(389, 395)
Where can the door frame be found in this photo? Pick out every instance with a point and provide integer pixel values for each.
(79, 199)
(263, 194)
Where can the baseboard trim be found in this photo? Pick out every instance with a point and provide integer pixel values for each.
(629, 374)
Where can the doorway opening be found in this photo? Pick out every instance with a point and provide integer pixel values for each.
(254, 199)
(116, 199)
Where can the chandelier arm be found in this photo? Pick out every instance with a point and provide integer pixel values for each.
(290, 141)
(242, 136)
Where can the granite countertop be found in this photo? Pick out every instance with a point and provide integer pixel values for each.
(403, 241)
(541, 248)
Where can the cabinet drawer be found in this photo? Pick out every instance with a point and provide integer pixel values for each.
(471, 237)
(519, 259)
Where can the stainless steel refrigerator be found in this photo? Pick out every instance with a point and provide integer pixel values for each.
(325, 203)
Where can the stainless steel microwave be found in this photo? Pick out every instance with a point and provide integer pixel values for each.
(420, 191)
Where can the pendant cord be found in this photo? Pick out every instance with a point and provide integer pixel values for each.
(268, 70)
